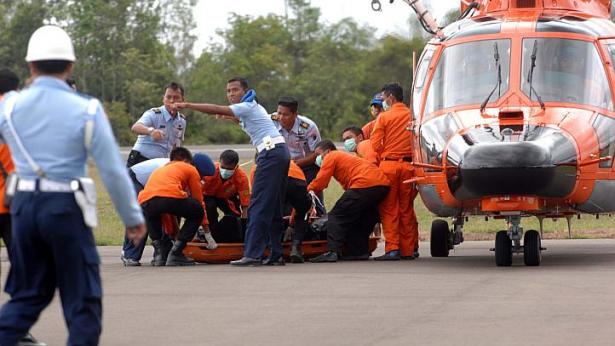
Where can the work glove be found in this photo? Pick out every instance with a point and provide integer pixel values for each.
(205, 236)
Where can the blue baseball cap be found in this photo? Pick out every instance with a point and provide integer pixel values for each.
(204, 164)
(377, 100)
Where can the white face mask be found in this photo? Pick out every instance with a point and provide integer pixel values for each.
(385, 105)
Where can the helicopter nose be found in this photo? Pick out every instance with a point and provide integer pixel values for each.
(506, 168)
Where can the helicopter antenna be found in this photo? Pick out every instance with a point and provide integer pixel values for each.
(427, 21)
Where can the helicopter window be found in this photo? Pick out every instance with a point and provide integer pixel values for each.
(605, 130)
(468, 72)
(565, 71)
(421, 73)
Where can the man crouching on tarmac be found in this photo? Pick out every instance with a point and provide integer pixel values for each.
(354, 215)
(165, 193)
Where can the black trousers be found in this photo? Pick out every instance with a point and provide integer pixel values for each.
(229, 229)
(5, 231)
(187, 208)
(352, 219)
(298, 197)
(135, 157)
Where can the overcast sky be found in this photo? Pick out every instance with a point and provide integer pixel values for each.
(213, 14)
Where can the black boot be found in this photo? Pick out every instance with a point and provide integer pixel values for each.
(159, 259)
(296, 254)
(177, 257)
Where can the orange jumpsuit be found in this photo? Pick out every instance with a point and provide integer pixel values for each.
(392, 141)
(365, 151)
(368, 129)
(236, 185)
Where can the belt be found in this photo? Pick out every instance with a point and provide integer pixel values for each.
(406, 159)
(43, 185)
(270, 144)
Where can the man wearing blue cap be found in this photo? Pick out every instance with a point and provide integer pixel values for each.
(375, 108)
(265, 212)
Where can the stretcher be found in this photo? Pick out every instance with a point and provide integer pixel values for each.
(227, 252)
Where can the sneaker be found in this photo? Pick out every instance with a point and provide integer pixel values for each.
(327, 257)
(29, 340)
(389, 256)
(129, 262)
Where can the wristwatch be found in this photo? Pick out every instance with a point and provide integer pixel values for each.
(150, 130)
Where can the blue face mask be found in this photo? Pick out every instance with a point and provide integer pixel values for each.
(350, 145)
(226, 173)
(318, 160)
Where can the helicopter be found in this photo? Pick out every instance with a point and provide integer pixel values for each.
(513, 117)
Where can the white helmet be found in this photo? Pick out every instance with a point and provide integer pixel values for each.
(50, 42)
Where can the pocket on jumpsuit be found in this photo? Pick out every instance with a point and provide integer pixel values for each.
(92, 272)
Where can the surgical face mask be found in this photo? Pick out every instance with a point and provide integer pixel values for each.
(350, 145)
(318, 160)
(385, 105)
(226, 173)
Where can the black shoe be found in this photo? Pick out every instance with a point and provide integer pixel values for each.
(177, 257)
(270, 262)
(389, 256)
(416, 254)
(246, 262)
(29, 340)
(408, 258)
(363, 257)
(129, 262)
(327, 257)
(158, 260)
(296, 255)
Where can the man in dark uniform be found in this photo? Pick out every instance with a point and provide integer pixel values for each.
(53, 245)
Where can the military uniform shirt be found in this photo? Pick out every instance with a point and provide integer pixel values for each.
(172, 127)
(302, 137)
(254, 121)
(144, 169)
(50, 119)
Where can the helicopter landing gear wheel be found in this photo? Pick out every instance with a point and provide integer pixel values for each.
(439, 238)
(531, 248)
(503, 249)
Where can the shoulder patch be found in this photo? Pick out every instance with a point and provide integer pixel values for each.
(156, 110)
(305, 125)
(275, 117)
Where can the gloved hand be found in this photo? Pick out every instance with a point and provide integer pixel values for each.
(288, 234)
(211, 242)
(200, 235)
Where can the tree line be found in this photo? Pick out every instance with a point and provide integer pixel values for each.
(127, 50)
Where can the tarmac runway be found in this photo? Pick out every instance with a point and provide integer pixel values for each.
(460, 300)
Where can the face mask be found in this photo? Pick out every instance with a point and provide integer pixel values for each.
(385, 105)
(350, 145)
(318, 160)
(226, 173)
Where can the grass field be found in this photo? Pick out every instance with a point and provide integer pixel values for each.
(110, 230)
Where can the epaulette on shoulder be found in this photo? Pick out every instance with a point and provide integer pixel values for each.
(156, 110)
(275, 117)
(305, 125)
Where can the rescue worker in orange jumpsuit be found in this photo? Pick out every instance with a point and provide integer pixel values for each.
(354, 215)
(375, 108)
(228, 190)
(354, 143)
(392, 141)
(165, 193)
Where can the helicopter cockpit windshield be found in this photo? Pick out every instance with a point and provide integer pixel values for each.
(467, 73)
(566, 71)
